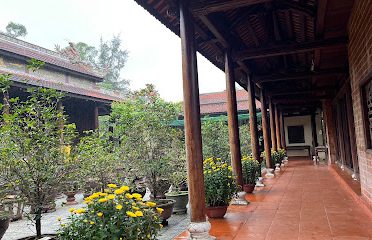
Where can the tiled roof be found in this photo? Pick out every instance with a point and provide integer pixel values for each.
(216, 102)
(29, 79)
(22, 48)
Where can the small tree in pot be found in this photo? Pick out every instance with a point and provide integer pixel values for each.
(251, 168)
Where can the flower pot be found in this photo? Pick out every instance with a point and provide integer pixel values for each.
(167, 205)
(71, 200)
(277, 167)
(216, 212)
(4, 224)
(181, 198)
(248, 188)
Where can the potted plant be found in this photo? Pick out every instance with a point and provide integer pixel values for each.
(4, 222)
(181, 197)
(220, 187)
(250, 169)
(114, 214)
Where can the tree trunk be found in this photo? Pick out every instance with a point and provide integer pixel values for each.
(38, 222)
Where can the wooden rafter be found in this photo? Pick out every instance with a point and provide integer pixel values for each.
(282, 49)
(209, 6)
(296, 6)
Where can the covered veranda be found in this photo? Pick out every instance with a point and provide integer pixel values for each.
(307, 56)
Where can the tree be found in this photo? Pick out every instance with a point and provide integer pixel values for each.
(215, 136)
(109, 57)
(16, 30)
(32, 136)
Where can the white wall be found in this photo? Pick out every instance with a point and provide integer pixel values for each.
(296, 121)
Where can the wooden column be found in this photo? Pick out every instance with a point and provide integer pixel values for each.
(265, 130)
(232, 114)
(95, 117)
(350, 120)
(272, 125)
(330, 126)
(192, 116)
(277, 129)
(253, 119)
(282, 130)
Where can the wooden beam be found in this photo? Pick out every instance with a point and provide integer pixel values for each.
(232, 114)
(297, 7)
(265, 130)
(283, 49)
(215, 31)
(192, 116)
(272, 125)
(315, 92)
(253, 119)
(299, 75)
(209, 6)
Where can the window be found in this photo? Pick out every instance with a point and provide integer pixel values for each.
(367, 102)
(296, 134)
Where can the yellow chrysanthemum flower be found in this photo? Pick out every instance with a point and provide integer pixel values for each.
(111, 185)
(119, 207)
(129, 196)
(151, 204)
(125, 188)
(137, 196)
(111, 196)
(91, 222)
(71, 210)
(80, 211)
(131, 214)
(119, 191)
(102, 200)
(139, 213)
(135, 208)
(100, 214)
(59, 219)
(160, 210)
(85, 220)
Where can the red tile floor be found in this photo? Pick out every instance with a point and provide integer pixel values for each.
(302, 202)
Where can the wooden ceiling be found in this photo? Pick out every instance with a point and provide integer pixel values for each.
(292, 48)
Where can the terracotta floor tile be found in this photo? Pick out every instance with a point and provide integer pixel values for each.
(295, 205)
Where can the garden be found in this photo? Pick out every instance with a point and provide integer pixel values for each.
(131, 171)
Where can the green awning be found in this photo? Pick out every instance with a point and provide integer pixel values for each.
(241, 117)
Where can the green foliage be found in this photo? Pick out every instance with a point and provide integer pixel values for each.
(215, 136)
(16, 30)
(143, 134)
(220, 186)
(282, 153)
(114, 215)
(251, 169)
(275, 156)
(245, 140)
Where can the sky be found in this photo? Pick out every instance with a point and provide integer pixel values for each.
(154, 51)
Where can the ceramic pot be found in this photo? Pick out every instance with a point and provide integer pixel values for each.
(181, 198)
(70, 198)
(248, 188)
(216, 212)
(167, 205)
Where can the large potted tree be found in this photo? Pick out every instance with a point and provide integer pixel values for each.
(30, 143)
(220, 186)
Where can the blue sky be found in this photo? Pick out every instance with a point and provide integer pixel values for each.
(154, 51)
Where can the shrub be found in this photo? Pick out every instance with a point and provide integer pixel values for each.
(251, 169)
(282, 153)
(113, 214)
(220, 186)
(275, 156)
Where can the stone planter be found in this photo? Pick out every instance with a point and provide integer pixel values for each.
(259, 182)
(277, 167)
(248, 188)
(181, 198)
(216, 212)
(269, 173)
(167, 205)
(71, 200)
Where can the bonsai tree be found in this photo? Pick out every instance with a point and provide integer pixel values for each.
(141, 129)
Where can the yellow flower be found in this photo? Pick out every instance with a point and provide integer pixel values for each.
(137, 196)
(111, 185)
(129, 196)
(136, 208)
(161, 225)
(59, 219)
(119, 191)
(151, 204)
(230, 168)
(100, 214)
(160, 210)
(102, 200)
(119, 207)
(66, 150)
(63, 225)
(139, 213)
(111, 196)
(125, 188)
(85, 220)
(91, 222)
(80, 211)
(131, 214)
(71, 209)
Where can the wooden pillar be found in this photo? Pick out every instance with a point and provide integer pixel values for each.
(277, 129)
(272, 125)
(282, 130)
(232, 114)
(265, 130)
(350, 120)
(95, 117)
(192, 116)
(330, 130)
(253, 119)
(313, 130)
